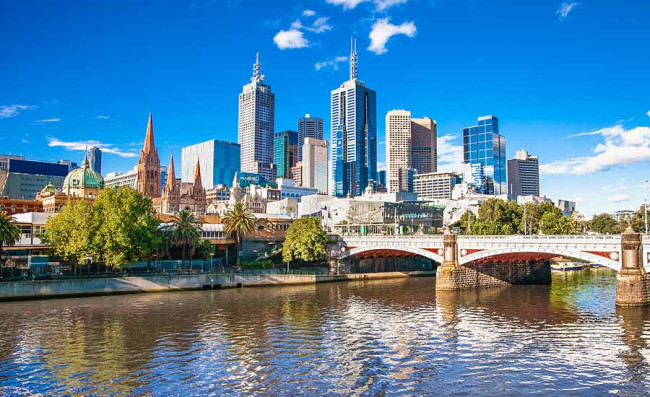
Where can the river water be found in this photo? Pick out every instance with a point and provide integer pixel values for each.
(392, 337)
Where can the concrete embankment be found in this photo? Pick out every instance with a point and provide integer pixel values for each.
(23, 290)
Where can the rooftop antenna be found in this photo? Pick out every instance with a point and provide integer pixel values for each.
(257, 69)
(353, 58)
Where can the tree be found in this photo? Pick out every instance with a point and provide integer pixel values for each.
(238, 221)
(604, 224)
(204, 250)
(552, 223)
(127, 227)
(9, 232)
(187, 231)
(72, 232)
(305, 239)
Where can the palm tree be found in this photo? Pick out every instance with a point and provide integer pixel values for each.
(238, 221)
(9, 232)
(187, 229)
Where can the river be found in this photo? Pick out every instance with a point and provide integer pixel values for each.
(347, 338)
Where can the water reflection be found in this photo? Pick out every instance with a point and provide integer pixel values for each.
(394, 336)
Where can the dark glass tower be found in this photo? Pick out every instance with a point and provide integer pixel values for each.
(483, 145)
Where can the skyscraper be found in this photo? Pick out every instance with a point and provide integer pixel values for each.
(148, 179)
(314, 164)
(285, 152)
(256, 125)
(410, 149)
(95, 159)
(523, 174)
(483, 145)
(354, 134)
(219, 162)
(308, 127)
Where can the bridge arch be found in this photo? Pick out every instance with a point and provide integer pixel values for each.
(586, 256)
(413, 250)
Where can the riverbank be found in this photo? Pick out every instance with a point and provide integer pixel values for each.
(25, 290)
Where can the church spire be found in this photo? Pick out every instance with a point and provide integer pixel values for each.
(149, 144)
(197, 177)
(171, 176)
(353, 59)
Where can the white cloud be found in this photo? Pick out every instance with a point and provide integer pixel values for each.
(103, 117)
(289, 39)
(383, 5)
(620, 146)
(620, 197)
(82, 145)
(7, 111)
(331, 63)
(52, 120)
(450, 155)
(320, 25)
(381, 167)
(565, 9)
(347, 4)
(383, 30)
(648, 113)
(25, 141)
(308, 13)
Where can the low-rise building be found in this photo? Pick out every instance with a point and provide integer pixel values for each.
(435, 185)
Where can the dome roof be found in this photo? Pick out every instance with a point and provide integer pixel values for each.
(48, 189)
(84, 177)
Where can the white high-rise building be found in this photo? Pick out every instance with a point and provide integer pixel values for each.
(256, 125)
(314, 164)
(308, 127)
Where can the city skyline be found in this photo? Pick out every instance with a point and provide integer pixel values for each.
(579, 116)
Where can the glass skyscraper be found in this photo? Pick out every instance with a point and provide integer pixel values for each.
(95, 159)
(483, 145)
(285, 152)
(354, 135)
(308, 127)
(219, 161)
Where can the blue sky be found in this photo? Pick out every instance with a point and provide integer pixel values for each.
(568, 80)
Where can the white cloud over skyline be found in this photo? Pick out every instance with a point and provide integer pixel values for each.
(347, 4)
(52, 120)
(620, 198)
(383, 5)
(330, 63)
(290, 39)
(450, 154)
(83, 145)
(383, 30)
(564, 10)
(308, 13)
(7, 111)
(620, 147)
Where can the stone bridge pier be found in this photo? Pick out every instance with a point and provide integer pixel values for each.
(632, 287)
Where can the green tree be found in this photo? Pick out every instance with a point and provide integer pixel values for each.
(204, 250)
(187, 231)
(72, 232)
(604, 224)
(552, 223)
(9, 232)
(305, 239)
(127, 227)
(239, 221)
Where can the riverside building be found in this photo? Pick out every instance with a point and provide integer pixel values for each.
(219, 160)
(308, 127)
(523, 175)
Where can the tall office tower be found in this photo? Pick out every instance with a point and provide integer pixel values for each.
(410, 148)
(354, 134)
(219, 162)
(398, 149)
(148, 180)
(95, 159)
(256, 125)
(483, 145)
(424, 147)
(285, 152)
(314, 164)
(523, 174)
(308, 127)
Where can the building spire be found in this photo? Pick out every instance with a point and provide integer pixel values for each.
(197, 177)
(235, 180)
(257, 70)
(149, 144)
(171, 176)
(353, 59)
